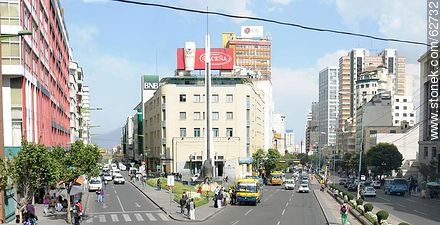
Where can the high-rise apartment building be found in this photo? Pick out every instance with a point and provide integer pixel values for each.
(328, 107)
(75, 84)
(278, 130)
(290, 141)
(84, 131)
(175, 126)
(252, 50)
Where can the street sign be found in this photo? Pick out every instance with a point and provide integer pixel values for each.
(170, 181)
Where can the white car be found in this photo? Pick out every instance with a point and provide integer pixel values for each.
(119, 179)
(289, 184)
(107, 177)
(115, 171)
(304, 188)
(95, 184)
(376, 184)
(369, 191)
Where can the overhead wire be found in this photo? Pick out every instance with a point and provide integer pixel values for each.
(317, 29)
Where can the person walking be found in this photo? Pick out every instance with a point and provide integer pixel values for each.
(46, 202)
(192, 208)
(98, 195)
(182, 203)
(219, 199)
(343, 209)
(77, 212)
(101, 194)
(232, 194)
(158, 183)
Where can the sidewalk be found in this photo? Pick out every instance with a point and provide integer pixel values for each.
(162, 200)
(331, 209)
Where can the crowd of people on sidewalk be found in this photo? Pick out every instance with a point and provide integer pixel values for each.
(189, 205)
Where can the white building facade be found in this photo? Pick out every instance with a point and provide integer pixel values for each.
(328, 106)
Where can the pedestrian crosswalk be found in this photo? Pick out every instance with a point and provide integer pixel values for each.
(126, 217)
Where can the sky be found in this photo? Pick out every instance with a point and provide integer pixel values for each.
(116, 43)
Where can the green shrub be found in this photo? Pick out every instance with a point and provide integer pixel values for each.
(350, 197)
(359, 201)
(403, 223)
(368, 207)
(382, 215)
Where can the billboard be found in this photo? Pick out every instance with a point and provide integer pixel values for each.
(251, 31)
(150, 82)
(221, 59)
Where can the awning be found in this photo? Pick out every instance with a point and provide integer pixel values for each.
(80, 180)
(76, 190)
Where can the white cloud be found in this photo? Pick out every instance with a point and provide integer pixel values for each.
(84, 34)
(283, 2)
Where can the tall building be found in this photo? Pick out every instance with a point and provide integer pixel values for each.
(84, 124)
(127, 138)
(308, 148)
(75, 84)
(175, 126)
(429, 142)
(290, 141)
(328, 107)
(351, 71)
(252, 50)
(315, 135)
(279, 130)
(35, 77)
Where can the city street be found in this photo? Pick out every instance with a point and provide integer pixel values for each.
(123, 204)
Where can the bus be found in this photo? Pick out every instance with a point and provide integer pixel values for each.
(396, 186)
(248, 191)
(276, 178)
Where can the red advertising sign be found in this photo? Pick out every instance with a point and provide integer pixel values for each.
(221, 59)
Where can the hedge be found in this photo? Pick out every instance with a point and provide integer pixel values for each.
(368, 207)
(382, 215)
(359, 202)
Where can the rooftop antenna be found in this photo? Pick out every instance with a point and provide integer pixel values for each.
(207, 170)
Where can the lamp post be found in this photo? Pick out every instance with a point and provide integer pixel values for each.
(2, 141)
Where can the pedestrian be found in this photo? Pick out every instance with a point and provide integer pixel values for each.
(101, 194)
(219, 199)
(30, 217)
(232, 193)
(180, 176)
(192, 208)
(46, 202)
(59, 205)
(343, 209)
(98, 195)
(77, 212)
(158, 183)
(183, 203)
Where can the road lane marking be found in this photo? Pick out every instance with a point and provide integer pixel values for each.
(249, 211)
(137, 205)
(120, 203)
(99, 213)
(101, 218)
(290, 199)
(114, 217)
(235, 222)
(126, 217)
(287, 204)
(278, 222)
(384, 199)
(163, 217)
(138, 217)
(284, 210)
(420, 212)
(150, 217)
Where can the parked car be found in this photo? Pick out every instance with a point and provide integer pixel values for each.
(352, 187)
(119, 179)
(303, 188)
(289, 184)
(95, 184)
(107, 177)
(369, 191)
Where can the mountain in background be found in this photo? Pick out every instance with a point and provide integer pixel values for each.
(108, 140)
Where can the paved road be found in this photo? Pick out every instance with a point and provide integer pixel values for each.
(278, 207)
(124, 204)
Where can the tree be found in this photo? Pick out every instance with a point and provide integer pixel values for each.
(4, 173)
(32, 169)
(384, 157)
(273, 157)
(80, 159)
(258, 157)
(429, 171)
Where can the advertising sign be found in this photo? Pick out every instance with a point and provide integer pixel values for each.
(221, 59)
(170, 181)
(150, 82)
(252, 31)
(190, 55)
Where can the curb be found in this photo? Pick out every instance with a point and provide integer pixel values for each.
(353, 211)
(169, 214)
(322, 208)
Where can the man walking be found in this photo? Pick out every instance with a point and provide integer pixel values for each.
(343, 209)
(192, 208)
(183, 203)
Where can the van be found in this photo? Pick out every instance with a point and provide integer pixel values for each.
(248, 191)
(396, 186)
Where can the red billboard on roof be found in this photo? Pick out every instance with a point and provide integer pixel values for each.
(221, 59)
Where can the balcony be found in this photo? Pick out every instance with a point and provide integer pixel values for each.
(163, 123)
(163, 106)
(248, 123)
(164, 141)
(248, 105)
(248, 140)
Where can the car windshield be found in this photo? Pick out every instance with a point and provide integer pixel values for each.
(247, 187)
(95, 182)
(290, 182)
(119, 177)
(399, 181)
(304, 185)
(369, 189)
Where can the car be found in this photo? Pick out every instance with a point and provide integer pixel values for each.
(342, 181)
(105, 167)
(352, 187)
(115, 171)
(303, 188)
(95, 184)
(107, 177)
(289, 184)
(119, 179)
(369, 191)
(376, 184)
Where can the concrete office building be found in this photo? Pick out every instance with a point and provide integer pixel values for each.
(75, 83)
(84, 133)
(174, 125)
(290, 141)
(279, 130)
(127, 137)
(328, 107)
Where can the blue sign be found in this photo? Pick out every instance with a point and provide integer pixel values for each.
(245, 160)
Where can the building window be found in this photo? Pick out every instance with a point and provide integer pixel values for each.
(433, 152)
(196, 98)
(405, 115)
(405, 107)
(197, 116)
(229, 98)
(397, 107)
(397, 100)
(214, 98)
(163, 99)
(404, 100)
(182, 132)
(396, 114)
(215, 132)
(396, 121)
(229, 132)
(229, 115)
(373, 131)
(196, 132)
(425, 152)
(392, 131)
(411, 114)
(182, 98)
(182, 115)
(215, 116)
